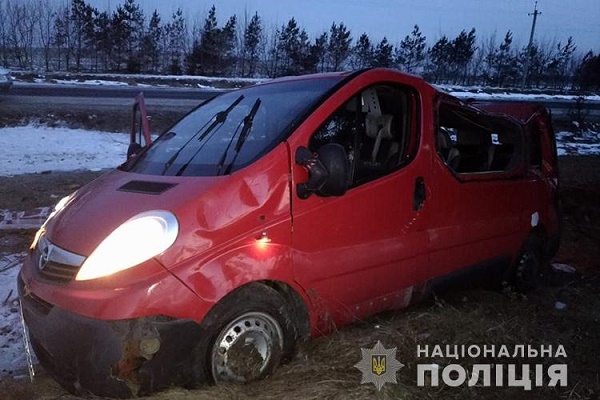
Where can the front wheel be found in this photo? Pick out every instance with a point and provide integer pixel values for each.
(249, 333)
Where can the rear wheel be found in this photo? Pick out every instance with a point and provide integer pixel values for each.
(529, 265)
(250, 332)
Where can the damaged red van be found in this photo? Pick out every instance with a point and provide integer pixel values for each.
(276, 212)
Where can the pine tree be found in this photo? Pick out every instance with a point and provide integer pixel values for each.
(252, 36)
(411, 52)
(440, 57)
(339, 45)
(305, 60)
(557, 67)
(102, 39)
(82, 28)
(384, 54)
(151, 43)
(204, 57)
(320, 51)
(463, 48)
(227, 45)
(135, 21)
(175, 36)
(120, 33)
(362, 53)
(539, 58)
(287, 47)
(214, 54)
(502, 64)
(588, 74)
(293, 53)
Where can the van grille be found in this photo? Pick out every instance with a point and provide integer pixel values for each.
(54, 263)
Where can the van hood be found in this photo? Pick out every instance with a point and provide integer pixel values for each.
(101, 206)
(208, 209)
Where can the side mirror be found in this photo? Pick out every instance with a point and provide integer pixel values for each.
(328, 171)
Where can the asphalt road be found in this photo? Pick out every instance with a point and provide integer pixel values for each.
(184, 98)
(112, 91)
(106, 96)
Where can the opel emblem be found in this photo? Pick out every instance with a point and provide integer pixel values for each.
(44, 254)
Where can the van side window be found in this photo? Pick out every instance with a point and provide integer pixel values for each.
(376, 128)
(474, 142)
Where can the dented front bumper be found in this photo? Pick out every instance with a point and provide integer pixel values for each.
(117, 359)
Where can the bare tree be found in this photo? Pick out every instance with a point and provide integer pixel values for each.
(22, 17)
(3, 34)
(62, 39)
(46, 29)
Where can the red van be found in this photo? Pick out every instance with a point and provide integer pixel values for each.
(276, 212)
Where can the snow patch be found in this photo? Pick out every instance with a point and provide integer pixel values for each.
(586, 143)
(32, 148)
(13, 361)
(32, 219)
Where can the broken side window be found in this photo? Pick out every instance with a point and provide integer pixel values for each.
(470, 142)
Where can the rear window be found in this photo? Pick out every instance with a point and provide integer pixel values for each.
(232, 130)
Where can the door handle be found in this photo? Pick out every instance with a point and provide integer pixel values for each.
(420, 194)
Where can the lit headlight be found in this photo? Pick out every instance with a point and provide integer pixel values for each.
(135, 241)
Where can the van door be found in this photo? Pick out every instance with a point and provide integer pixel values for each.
(357, 254)
(477, 193)
(139, 133)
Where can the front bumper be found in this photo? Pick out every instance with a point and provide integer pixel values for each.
(117, 359)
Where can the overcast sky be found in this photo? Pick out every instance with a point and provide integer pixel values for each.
(395, 18)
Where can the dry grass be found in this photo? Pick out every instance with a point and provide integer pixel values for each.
(324, 367)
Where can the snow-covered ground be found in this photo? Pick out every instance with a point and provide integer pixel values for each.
(34, 148)
(140, 80)
(586, 143)
(118, 78)
(484, 96)
(13, 361)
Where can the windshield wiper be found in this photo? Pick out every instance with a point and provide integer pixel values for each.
(248, 121)
(219, 118)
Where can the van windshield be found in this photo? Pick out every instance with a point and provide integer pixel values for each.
(232, 130)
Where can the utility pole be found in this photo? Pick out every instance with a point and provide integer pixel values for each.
(528, 55)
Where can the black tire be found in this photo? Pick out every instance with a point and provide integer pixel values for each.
(529, 265)
(245, 336)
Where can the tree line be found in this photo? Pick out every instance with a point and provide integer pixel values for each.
(77, 37)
